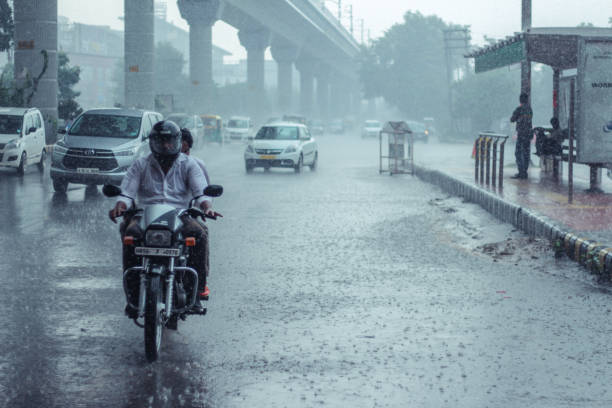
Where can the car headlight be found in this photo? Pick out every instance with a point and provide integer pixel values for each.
(128, 152)
(59, 147)
(13, 144)
(158, 238)
(249, 149)
(290, 149)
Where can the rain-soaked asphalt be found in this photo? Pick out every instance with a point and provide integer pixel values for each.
(339, 287)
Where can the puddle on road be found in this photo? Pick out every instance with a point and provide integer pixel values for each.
(89, 283)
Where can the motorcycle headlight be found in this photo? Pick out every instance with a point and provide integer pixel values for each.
(13, 144)
(290, 149)
(158, 238)
(249, 149)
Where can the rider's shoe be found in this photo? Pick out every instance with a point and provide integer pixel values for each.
(198, 308)
(204, 294)
(131, 312)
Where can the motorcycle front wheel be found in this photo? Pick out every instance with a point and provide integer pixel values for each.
(153, 319)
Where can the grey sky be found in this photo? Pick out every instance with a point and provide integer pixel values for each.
(495, 18)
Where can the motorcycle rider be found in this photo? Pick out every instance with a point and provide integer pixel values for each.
(166, 176)
(186, 145)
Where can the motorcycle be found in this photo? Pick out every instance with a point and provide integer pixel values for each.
(164, 276)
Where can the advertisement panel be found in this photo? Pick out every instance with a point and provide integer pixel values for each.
(594, 102)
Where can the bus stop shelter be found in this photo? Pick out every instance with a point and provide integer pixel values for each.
(587, 51)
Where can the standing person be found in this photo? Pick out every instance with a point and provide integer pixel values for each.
(523, 115)
(186, 145)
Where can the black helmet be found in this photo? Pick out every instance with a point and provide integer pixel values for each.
(165, 141)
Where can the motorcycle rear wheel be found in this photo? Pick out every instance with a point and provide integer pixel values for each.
(153, 319)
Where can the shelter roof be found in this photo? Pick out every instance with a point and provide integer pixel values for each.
(554, 46)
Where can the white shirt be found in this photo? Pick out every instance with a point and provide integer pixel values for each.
(203, 167)
(147, 183)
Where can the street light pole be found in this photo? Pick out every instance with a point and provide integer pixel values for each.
(526, 64)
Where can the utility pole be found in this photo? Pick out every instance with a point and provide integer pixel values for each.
(526, 64)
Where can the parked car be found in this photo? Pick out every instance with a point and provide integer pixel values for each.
(419, 131)
(100, 146)
(282, 144)
(213, 128)
(238, 129)
(193, 123)
(371, 128)
(22, 138)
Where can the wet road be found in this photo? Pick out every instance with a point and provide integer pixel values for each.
(339, 287)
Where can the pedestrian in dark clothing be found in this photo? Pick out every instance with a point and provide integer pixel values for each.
(522, 115)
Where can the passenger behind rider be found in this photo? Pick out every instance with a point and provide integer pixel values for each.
(187, 144)
(165, 177)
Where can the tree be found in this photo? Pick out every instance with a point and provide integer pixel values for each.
(407, 67)
(67, 77)
(7, 26)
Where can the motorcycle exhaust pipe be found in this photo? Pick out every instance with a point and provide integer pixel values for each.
(169, 288)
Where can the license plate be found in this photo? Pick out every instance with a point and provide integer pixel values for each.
(143, 251)
(267, 157)
(87, 170)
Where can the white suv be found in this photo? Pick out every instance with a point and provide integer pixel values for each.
(22, 138)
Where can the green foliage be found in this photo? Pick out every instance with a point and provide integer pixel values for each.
(407, 67)
(67, 77)
(583, 24)
(20, 93)
(7, 26)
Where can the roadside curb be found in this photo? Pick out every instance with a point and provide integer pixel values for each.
(595, 256)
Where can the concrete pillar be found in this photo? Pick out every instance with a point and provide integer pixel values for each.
(139, 53)
(285, 54)
(323, 93)
(306, 66)
(35, 31)
(255, 39)
(201, 16)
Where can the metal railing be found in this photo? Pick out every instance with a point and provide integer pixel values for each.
(486, 146)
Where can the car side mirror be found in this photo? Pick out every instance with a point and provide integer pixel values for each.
(31, 130)
(304, 138)
(61, 131)
(214, 190)
(250, 138)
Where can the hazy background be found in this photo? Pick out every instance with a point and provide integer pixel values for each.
(494, 18)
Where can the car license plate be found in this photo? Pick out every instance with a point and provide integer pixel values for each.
(143, 251)
(87, 170)
(267, 157)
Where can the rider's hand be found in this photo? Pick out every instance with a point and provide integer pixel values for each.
(206, 206)
(118, 211)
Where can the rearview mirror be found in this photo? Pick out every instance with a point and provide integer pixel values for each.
(111, 191)
(214, 190)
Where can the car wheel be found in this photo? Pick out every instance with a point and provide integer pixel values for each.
(59, 185)
(22, 164)
(298, 166)
(41, 163)
(249, 169)
(313, 166)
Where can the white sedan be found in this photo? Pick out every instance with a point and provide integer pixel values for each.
(282, 144)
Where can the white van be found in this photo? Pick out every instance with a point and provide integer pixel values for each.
(22, 138)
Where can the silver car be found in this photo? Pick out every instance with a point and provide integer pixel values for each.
(100, 146)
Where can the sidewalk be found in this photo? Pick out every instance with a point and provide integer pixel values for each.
(587, 222)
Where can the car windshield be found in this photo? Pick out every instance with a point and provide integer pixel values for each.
(238, 123)
(209, 121)
(372, 124)
(10, 124)
(416, 126)
(126, 127)
(277, 133)
(182, 121)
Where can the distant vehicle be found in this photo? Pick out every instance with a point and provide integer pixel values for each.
(213, 128)
(193, 123)
(295, 118)
(371, 128)
(316, 127)
(22, 138)
(273, 119)
(429, 123)
(419, 131)
(100, 146)
(282, 144)
(336, 126)
(238, 128)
